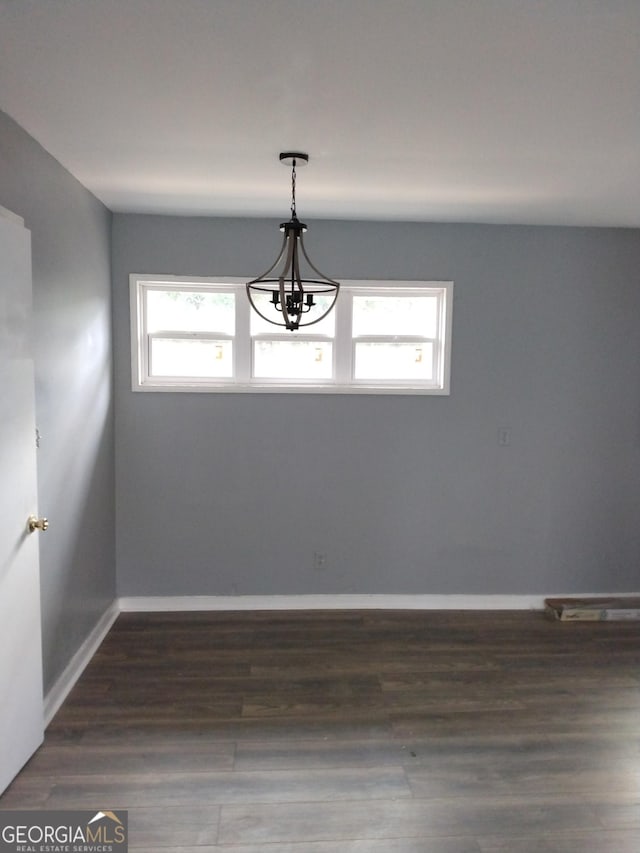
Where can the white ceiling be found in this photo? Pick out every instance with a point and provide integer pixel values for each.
(524, 111)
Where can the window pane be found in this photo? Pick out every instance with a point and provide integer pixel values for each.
(190, 311)
(195, 358)
(394, 361)
(292, 359)
(263, 302)
(395, 315)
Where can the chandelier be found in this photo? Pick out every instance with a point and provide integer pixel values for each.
(293, 292)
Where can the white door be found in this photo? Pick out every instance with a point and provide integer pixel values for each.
(21, 714)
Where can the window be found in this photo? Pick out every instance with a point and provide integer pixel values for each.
(384, 337)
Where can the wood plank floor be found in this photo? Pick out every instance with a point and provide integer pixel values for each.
(353, 732)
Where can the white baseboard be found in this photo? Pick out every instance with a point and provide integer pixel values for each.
(146, 604)
(76, 666)
(176, 603)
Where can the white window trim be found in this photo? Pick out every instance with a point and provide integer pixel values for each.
(343, 343)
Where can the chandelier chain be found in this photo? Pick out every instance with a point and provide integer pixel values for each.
(293, 190)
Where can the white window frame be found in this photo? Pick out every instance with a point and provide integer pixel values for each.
(343, 341)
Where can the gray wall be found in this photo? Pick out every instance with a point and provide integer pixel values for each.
(70, 234)
(233, 494)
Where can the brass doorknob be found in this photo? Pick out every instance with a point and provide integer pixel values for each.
(37, 523)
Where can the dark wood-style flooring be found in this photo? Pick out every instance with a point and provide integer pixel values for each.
(353, 732)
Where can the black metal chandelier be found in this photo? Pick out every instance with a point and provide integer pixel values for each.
(298, 294)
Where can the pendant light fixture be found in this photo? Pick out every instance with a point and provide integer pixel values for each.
(293, 292)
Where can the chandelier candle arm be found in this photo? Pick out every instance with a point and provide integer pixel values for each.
(292, 294)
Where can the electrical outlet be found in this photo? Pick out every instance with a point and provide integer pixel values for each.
(504, 437)
(319, 560)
